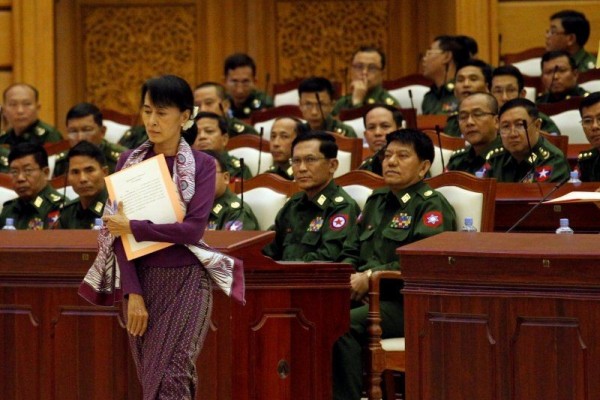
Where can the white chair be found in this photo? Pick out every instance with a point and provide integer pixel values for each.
(418, 93)
(68, 191)
(290, 97)
(359, 127)
(569, 125)
(6, 195)
(344, 163)
(531, 67)
(437, 167)
(591, 86)
(530, 93)
(360, 184)
(114, 131)
(51, 164)
(359, 193)
(251, 157)
(266, 203)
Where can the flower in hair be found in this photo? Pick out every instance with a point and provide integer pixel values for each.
(188, 124)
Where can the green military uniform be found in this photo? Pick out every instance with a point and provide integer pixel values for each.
(39, 213)
(546, 98)
(466, 160)
(374, 163)
(389, 220)
(4, 159)
(39, 133)
(335, 126)
(134, 137)
(228, 214)
(74, 216)
(313, 229)
(236, 127)
(548, 125)
(235, 168)
(110, 150)
(584, 60)
(547, 161)
(377, 95)
(284, 171)
(440, 100)
(588, 164)
(256, 101)
(452, 128)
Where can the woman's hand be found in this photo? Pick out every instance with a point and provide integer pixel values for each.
(137, 315)
(117, 224)
(359, 283)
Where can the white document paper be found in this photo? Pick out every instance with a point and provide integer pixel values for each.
(577, 197)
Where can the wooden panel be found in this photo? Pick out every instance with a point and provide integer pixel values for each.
(6, 39)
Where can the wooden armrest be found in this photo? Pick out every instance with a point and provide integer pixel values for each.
(374, 317)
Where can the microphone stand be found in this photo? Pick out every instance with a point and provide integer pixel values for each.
(242, 181)
(439, 136)
(320, 108)
(260, 143)
(551, 83)
(410, 96)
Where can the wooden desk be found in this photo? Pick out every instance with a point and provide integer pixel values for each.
(54, 345)
(502, 316)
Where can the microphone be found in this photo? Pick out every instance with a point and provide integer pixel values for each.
(410, 96)
(242, 181)
(267, 82)
(320, 107)
(551, 83)
(346, 84)
(439, 136)
(222, 109)
(446, 74)
(539, 203)
(260, 144)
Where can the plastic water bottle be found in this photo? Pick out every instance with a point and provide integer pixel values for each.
(98, 224)
(468, 226)
(564, 227)
(479, 174)
(9, 225)
(574, 177)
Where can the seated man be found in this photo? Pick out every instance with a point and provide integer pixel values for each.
(559, 77)
(367, 68)
(38, 205)
(588, 162)
(314, 223)
(212, 135)
(379, 120)
(21, 108)
(84, 122)
(472, 77)
(525, 156)
(440, 63)
(283, 133)
(211, 97)
(240, 81)
(569, 31)
(228, 213)
(478, 121)
(87, 168)
(404, 211)
(508, 84)
(317, 110)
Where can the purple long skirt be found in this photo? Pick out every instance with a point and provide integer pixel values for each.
(179, 303)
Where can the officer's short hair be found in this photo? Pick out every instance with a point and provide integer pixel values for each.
(396, 113)
(82, 110)
(551, 55)
(220, 88)
(421, 142)
(316, 84)
(221, 120)
(220, 157)
(371, 49)
(576, 23)
(328, 146)
(491, 101)
(589, 101)
(510, 70)
(36, 94)
(528, 105)
(485, 68)
(460, 53)
(29, 149)
(87, 149)
(238, 60)
(299, 127)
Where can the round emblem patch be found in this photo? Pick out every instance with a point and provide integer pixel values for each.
(338, 222)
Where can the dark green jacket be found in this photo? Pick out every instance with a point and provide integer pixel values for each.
(40, 213)
(256, 101)
(111, 152)
(74, 216)
(335, 126)
(452, 128)
(377, 95)
(440, 100)
(228, 214)
(134, 137)
(588, 164)
(39, 133)
(4, 159)
(285, 172)
(235, 167)
(313, 229)
(547, 98)
(373, 163)
(466, 160)
(584, 60)
(236, 127)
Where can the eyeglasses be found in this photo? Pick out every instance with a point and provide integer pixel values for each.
(554, 32)
(87, 130)
(509, 90)
(370, 68)
(314, 106)
(28, 172)
(518, 126)
(235, 82)
(430, 52)
(308, 160)
(588, 122)
(476, 115)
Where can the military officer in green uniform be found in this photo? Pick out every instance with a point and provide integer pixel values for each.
(478, 119)
(212, 135)
(379, 120)
(316, 102)
(404, 211)
(84, 122)
(515, 161)
(314, 223)
(588, 162)
(4, 159)
(228, 212)
(508, 84)
(38, 205)
(559, 77)
(21, 108)
(283, 133)
(569, 31)
(134, 137)
(87, 169)
(367, 68)
(211, 97)
(240, 80)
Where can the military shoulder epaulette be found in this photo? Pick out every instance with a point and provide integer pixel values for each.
(4, 160)
(389, 101)
(459, 151)
(426, 192)
(584, 155)
(40, 131)
(544, 153)
(61, 156)
(113, 155)
(54, 198)
(494, 152)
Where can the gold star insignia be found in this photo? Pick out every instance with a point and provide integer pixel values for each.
(247, 110)
(371, 100)
(321, 200)
(256, 103)
(54, 197)
(450, 86)
(405, 198)
(40, 131)
(235, 205)
(236, 163)
(290, 171)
